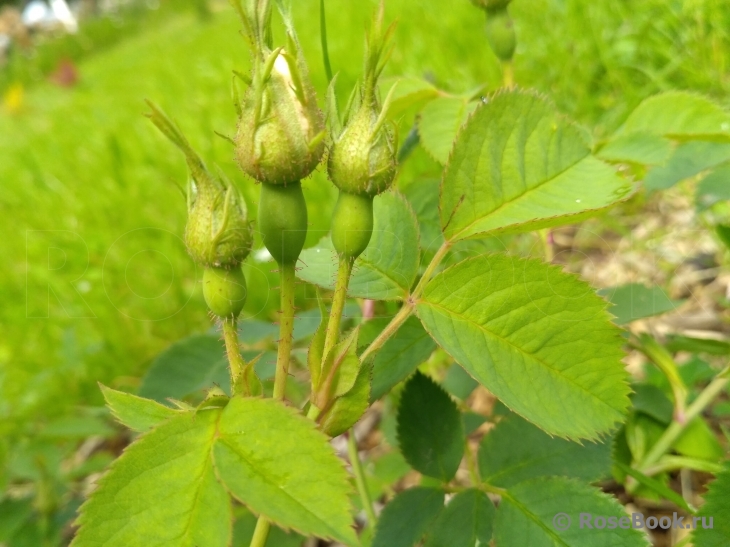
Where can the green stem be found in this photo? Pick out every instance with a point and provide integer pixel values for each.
(675, 429)
(672, 463)
(390, 329)
(362, 487)
(261, 533)
(286, 328)
(283, 356)
(508, 75)
(486, 487)
(236, 362)
(430, 269)
(408, 306)
(471, 463)
(338, 305)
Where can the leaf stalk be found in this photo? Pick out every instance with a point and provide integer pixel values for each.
(358, 471)
(676, 428)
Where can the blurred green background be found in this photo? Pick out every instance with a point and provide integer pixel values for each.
(96, 280)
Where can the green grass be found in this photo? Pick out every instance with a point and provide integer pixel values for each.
(83, 171)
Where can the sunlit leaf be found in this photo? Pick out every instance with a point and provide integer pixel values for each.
(440, 122)
(518, 166)
(137, 413)
(640, 148)
(538, 338)
(275, 462)
(679, 115)
(161, 491)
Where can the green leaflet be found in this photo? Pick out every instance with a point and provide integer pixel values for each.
(387, 268)
(459, 383)
(348, 364)
(654, 485)
(275, 462)
(679, 115)
(409, 347)
(641, 148)
(440, 122)
(539, 339)
(515, 451)
(517, 166)
(316, 344)
(189, 365)
(653, 402)
(14, 514)
(716, 507)
(193, 364)
(689, 159)
(467, 518)
(699, 441)
(349, 408)
(409, 92)
(430, 430)
(636, 301)
(714, 188)
(407, 517)
(534, 512)
(162, 491)
(423, 195)
(339, 371)
(137, 413)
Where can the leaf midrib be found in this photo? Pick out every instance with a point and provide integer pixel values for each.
(535, 518)
(334, 534)
(494, 211)
(505, 471)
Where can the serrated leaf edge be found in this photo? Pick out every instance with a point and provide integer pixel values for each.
(617, 330)
(313, 427)
(455, 406)
(560, 117)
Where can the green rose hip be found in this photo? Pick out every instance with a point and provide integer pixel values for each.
(501, 34)
(283, 221)
(352, 224)
(225, 291)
